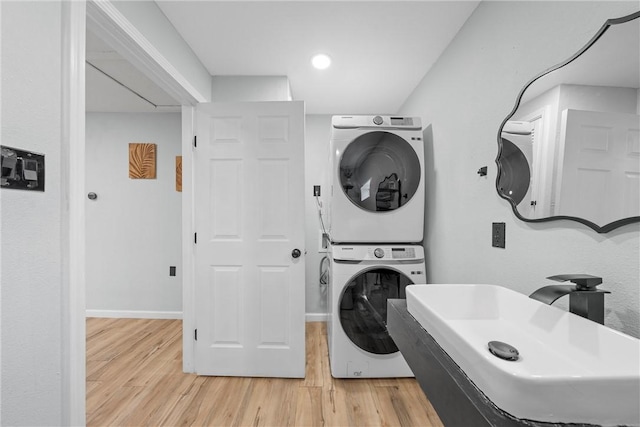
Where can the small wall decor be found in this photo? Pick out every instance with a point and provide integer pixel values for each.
(142, 161)
(22, 170)
(179, 173)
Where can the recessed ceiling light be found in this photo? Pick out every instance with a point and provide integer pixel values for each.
(321, 61)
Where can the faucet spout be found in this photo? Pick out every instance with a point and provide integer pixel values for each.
(548, 294)
(584, 299)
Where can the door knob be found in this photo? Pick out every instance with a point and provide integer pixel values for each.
(295, 253)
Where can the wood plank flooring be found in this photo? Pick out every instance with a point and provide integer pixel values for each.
(135, 378)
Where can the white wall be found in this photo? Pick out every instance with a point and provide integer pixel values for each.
(462, 102)
(250, 88)
(133, 229)
(31, 291)
(316, 154)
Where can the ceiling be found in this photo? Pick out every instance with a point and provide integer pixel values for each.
(114, 85)
(613, 60)
(380, 50)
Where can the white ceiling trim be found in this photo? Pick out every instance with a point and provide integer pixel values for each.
(110, 25)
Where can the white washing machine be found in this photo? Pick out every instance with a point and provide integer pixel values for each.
(362, 278)
(377, 180)
(516, 163)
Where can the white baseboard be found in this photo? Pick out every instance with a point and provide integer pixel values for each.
(135, 314)
(317, 317)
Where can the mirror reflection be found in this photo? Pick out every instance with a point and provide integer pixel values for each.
(572, 146)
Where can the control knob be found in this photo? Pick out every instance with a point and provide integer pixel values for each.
(379, 253)
(377, 120)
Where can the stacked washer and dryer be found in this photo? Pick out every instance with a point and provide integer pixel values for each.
(375, 224)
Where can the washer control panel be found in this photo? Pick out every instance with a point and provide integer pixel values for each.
(403, 253)
(391, 252)
(377, 253)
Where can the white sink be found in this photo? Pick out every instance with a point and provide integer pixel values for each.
(570, 369)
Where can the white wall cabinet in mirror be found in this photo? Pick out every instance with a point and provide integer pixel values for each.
(570, 148)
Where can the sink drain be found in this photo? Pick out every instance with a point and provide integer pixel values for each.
(503, 350)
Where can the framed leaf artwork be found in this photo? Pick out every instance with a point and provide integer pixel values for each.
(179, 173)
(142, 161)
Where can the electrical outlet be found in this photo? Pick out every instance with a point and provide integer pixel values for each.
(316, 191)
(172, 271)
(498, 235)
(323, 240)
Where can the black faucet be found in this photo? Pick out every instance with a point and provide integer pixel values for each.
(584, 299)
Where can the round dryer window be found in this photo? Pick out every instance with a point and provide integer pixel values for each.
(515, 175)
(379, 171)
(363, 308)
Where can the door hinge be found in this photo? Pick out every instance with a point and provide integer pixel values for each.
(195, 141)
(195, 238)
(195, 334)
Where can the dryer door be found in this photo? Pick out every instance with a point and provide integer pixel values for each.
(515, 173)
(379, 171)
(363, 308)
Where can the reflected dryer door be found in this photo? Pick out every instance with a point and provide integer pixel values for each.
(379, 171)
(515, 174)
(363, 308)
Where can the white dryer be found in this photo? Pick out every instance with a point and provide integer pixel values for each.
(362, 278)
(377, 180)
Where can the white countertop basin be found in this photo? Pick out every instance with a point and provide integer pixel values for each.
(570, 369)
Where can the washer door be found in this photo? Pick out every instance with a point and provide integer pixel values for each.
(379, 171)
(363, 308)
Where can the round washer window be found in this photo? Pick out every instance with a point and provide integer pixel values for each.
(379, 171)
(363, 308)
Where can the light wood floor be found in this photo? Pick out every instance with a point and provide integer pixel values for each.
(135, 378)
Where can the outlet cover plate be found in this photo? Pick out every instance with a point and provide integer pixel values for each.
(498, 235)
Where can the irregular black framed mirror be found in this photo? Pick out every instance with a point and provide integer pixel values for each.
(570, 148)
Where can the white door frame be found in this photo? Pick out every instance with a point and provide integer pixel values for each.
(106, 21)
(73, 237)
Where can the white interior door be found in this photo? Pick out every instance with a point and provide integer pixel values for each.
(249, 219)
(601, 163)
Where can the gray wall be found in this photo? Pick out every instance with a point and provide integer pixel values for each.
(32, 289)
(133, 228)
(462, 102)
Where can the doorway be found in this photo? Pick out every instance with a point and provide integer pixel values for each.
(109, 24)
(133, 221)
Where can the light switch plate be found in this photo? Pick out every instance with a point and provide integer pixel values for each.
(22, 169)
